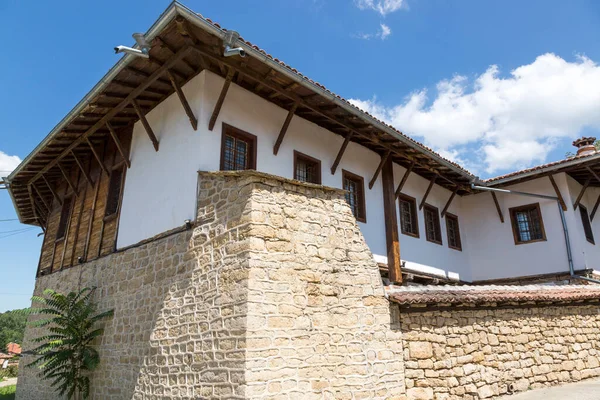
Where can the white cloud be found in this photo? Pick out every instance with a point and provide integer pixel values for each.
(8, 163)
(496, 123)
(383, 7)
(383, 33)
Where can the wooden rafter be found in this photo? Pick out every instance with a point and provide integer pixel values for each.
(145, 123)
(449, 202)
(558, 194)
(284, 128)
(431, 183)
(54, 194)
(96, 155)
(114, 136)
(583, 189)
(166, 45)
(379, 167)
(404, 179)
(66, 176)
(594, 173)
(154, 77)
(184, 102)
(82, 168)
(391, 221)
(215, 113)
(36, 190)
(340, 153)
(595, 208)
(498, 209)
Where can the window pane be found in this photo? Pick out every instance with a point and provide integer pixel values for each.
(114, 192)
(229, 154)
(527, 224)
(64, 218)
(352, 195)
(408, 216)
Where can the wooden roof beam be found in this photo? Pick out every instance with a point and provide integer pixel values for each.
(114, 136)
(145, 123)
(498, 209)
(284, 128)
(141, 73)
(132, 86)
(449, 202)
(163, 43)
(67, 178)
(595, 208)
(96, 155)
(431, 183)
(82, 168)
(183, 100)
(404, 179)
(340, 153)
(54, 194)
(379, 167)
(583, 189)
(36, 190)
(558, 194)
(217, 109)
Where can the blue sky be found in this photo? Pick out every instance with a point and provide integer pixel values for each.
(441, 71)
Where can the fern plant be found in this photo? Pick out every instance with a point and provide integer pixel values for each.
(65, 354)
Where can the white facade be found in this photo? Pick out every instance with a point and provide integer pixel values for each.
(160, 188)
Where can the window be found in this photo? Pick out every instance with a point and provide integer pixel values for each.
(587, 224)
(527, 224)
(355, 194)
(306, 168)
(409, 223)
(238, 149)
(433, 232)
(453, 232)
(65, 214)
(114, 192)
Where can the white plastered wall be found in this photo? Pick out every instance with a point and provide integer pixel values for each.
(585, 254)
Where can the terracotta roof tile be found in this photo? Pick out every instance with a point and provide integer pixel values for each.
(407, 295)
(13, 348)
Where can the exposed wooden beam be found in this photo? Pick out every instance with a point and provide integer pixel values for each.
(379, 167)
(54, 194)
(66, 176)
(595, 208)
(184, 102)
(284, 128)
(115, 110)
(404, 179)
(224, 89)
(96, 155)
(36, 190)
(114, 136)
(431, 183)
(593, 173)
(498, 209)
(145, 123)
(338, 158)
(166, 45)
(82, 168)
(449, 202)
(391, 221)
(558, 194)
(583, 189)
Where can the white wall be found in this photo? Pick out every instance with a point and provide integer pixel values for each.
(585, 254)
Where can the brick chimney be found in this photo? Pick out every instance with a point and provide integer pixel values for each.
(585, 146)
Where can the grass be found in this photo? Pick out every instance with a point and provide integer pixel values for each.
(8, 392)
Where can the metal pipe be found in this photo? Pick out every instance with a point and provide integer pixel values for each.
(563, 219)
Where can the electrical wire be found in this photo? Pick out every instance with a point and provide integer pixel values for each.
(6, 220)
(16, 233)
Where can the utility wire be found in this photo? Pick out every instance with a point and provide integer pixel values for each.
(17, 230)
(16, 233)
(6, 220)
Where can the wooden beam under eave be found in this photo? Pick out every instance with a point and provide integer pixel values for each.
(558, 194)
(404, 179)
(217, 109)
(48, 206)
(82, 168)
(284, 128)
(583, 189)
(97, 156)
(114, 136)
(391, 221)
(431, 183)
(449, 202)
(498, 209)
(66, 176)
(184, 102)
(595, 208)
(54, 194)
(379, 167)
(145, 123)
(338, 158)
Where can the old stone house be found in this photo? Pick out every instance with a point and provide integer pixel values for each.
(260, 237)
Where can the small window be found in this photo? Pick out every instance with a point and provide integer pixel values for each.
(587, 224)
(306, 168)
(433, 232)
(238, 149)
(114, 192)
(65, 214)
(355, 194)
(409, 223)
(527, 224)
(453, 232)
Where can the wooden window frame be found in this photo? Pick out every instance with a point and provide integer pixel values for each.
(67, 200)
(362, 217)
(115, 214)
(429, 207)
(512, 211)
(232, 131)
(403, 197)
(582, 210)
(298, 155)
(454, 217)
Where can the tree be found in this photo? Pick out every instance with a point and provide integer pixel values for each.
(12, 327)
(66, 354)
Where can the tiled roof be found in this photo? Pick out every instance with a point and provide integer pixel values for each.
(407, 295)
(13, 348)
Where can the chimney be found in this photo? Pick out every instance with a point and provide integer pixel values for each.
(585, 146)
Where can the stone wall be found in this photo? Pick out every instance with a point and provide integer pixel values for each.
(479, 354)
(272, 294)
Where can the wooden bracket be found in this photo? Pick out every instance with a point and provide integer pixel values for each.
(404, 179)
(583, 189)
(66, 176)
(145, 123)
(338, 158)
(217, 110)
(498, 207)
(114, 136)
(52, 190)
(284, 128)
(82, 168)
(184, 102)
(449, 202)
(558, 194)
(595, 208)
(378, 170)
(48, 206)
(97, 156)
(427, 192)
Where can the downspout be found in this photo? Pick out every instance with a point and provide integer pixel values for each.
(562, 218)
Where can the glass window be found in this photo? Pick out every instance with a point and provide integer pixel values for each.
(409, 224)
(433, 231)
(527, 224)
(355, 194)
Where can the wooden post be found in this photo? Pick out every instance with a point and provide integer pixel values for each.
(449, 202)
(583, 189)
(391, 221)
(184, 102)
(338, 158)
(215, 114)
(145, 123)
(404, 179)
(284, 128)
(114, 136)
(558, 194)
(96, 155)
(384, 158)
(498, 207)
(427, 192)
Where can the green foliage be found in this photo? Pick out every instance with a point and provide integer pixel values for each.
(12, 327)
(66, 354)
(8, 392)
(11, 372)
